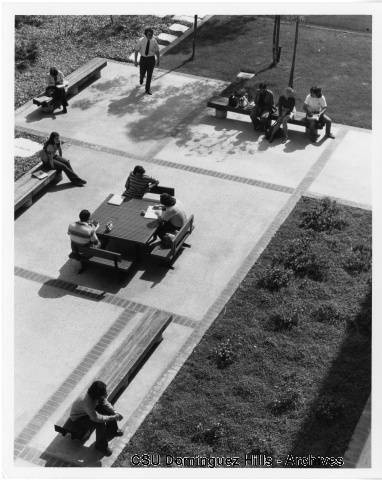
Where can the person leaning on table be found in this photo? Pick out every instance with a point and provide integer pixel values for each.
(93, 410)
(83, 233)
(171, 216)
(55, 87)
(138, 183)
(148, 48)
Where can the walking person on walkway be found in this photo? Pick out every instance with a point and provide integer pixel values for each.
(93, 410)
(148, 48)
(51, 156)
(55, 87)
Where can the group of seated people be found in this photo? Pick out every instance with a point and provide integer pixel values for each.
(315, 107)
(171, 215)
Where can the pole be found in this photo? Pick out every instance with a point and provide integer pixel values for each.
(294, 53)
(194, 37)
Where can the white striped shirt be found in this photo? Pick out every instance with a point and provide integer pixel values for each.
(82, 233)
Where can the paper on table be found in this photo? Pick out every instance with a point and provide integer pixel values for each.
(115, 200)
(150, 213)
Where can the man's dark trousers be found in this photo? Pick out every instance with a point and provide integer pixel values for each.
(146, 66)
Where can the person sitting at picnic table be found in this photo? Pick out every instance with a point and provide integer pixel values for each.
(55, 87)
(264, 107)
(315, 107)
(51, 156)
(171, 217)
(83, 233)
(92, 410)
(137, 183)
(286, 110)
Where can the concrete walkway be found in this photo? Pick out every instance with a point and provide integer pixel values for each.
(240, 190)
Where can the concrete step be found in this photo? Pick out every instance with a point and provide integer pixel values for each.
(166, 38)
(185, 19)
(178, 29)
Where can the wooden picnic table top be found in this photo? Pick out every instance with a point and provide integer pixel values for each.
(128, 223)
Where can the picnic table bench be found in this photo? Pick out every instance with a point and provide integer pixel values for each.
(28, 186)
(220, 104)
(104, 258)
(122, 367)
(75, 80)
(169, 254)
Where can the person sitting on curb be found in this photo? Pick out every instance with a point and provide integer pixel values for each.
(137, 183)
(94, 411)
(54, 161)
(83, 233)
(286, 110)
(263, 109)
(171, 217)
(315, 107)
(55, 87)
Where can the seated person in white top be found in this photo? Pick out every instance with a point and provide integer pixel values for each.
(148, 48)
(171, 216)
(83, 233)
(315, 107)
(55, 87)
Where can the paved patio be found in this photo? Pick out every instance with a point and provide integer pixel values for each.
(240, 190)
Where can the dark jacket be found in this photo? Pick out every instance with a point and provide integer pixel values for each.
(265, 100)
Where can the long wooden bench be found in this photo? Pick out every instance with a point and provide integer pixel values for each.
(220, 104)
(169, 254)
(75, 80)
(124, 364)
(28, 186)
(104, 258)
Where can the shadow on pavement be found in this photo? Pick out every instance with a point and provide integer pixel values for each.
(72, 451)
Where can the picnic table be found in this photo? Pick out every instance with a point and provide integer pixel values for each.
(130, 228)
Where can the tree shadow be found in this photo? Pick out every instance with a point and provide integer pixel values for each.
(349, 383)
(160, 114)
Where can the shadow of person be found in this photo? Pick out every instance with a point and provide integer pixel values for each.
(38, 115)
(61, 186)
(71, 451)
(297, 141)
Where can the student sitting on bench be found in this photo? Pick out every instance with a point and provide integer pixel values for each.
(93, 410)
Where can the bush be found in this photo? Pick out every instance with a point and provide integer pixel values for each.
(325, 216)
(224, 353)
(34, 20)
(261, 446)
(300, 255)
(275, 278)
(329, 409)
(211, 436)
(285, 318)
(327, 313)
(358, 259)
(26, 52)
(286, 402)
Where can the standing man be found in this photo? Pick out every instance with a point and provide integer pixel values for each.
(148, 47)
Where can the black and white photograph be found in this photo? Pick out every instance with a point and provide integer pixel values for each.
(188, 280)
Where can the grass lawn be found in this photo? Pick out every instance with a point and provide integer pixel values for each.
(284, 371)
(339, 62)
(69, 41)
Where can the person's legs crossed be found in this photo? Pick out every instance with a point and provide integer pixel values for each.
(61, 164)
(327, 122)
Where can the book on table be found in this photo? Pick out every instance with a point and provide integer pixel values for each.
(116, 200)
(150, 212)
(40, 174)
